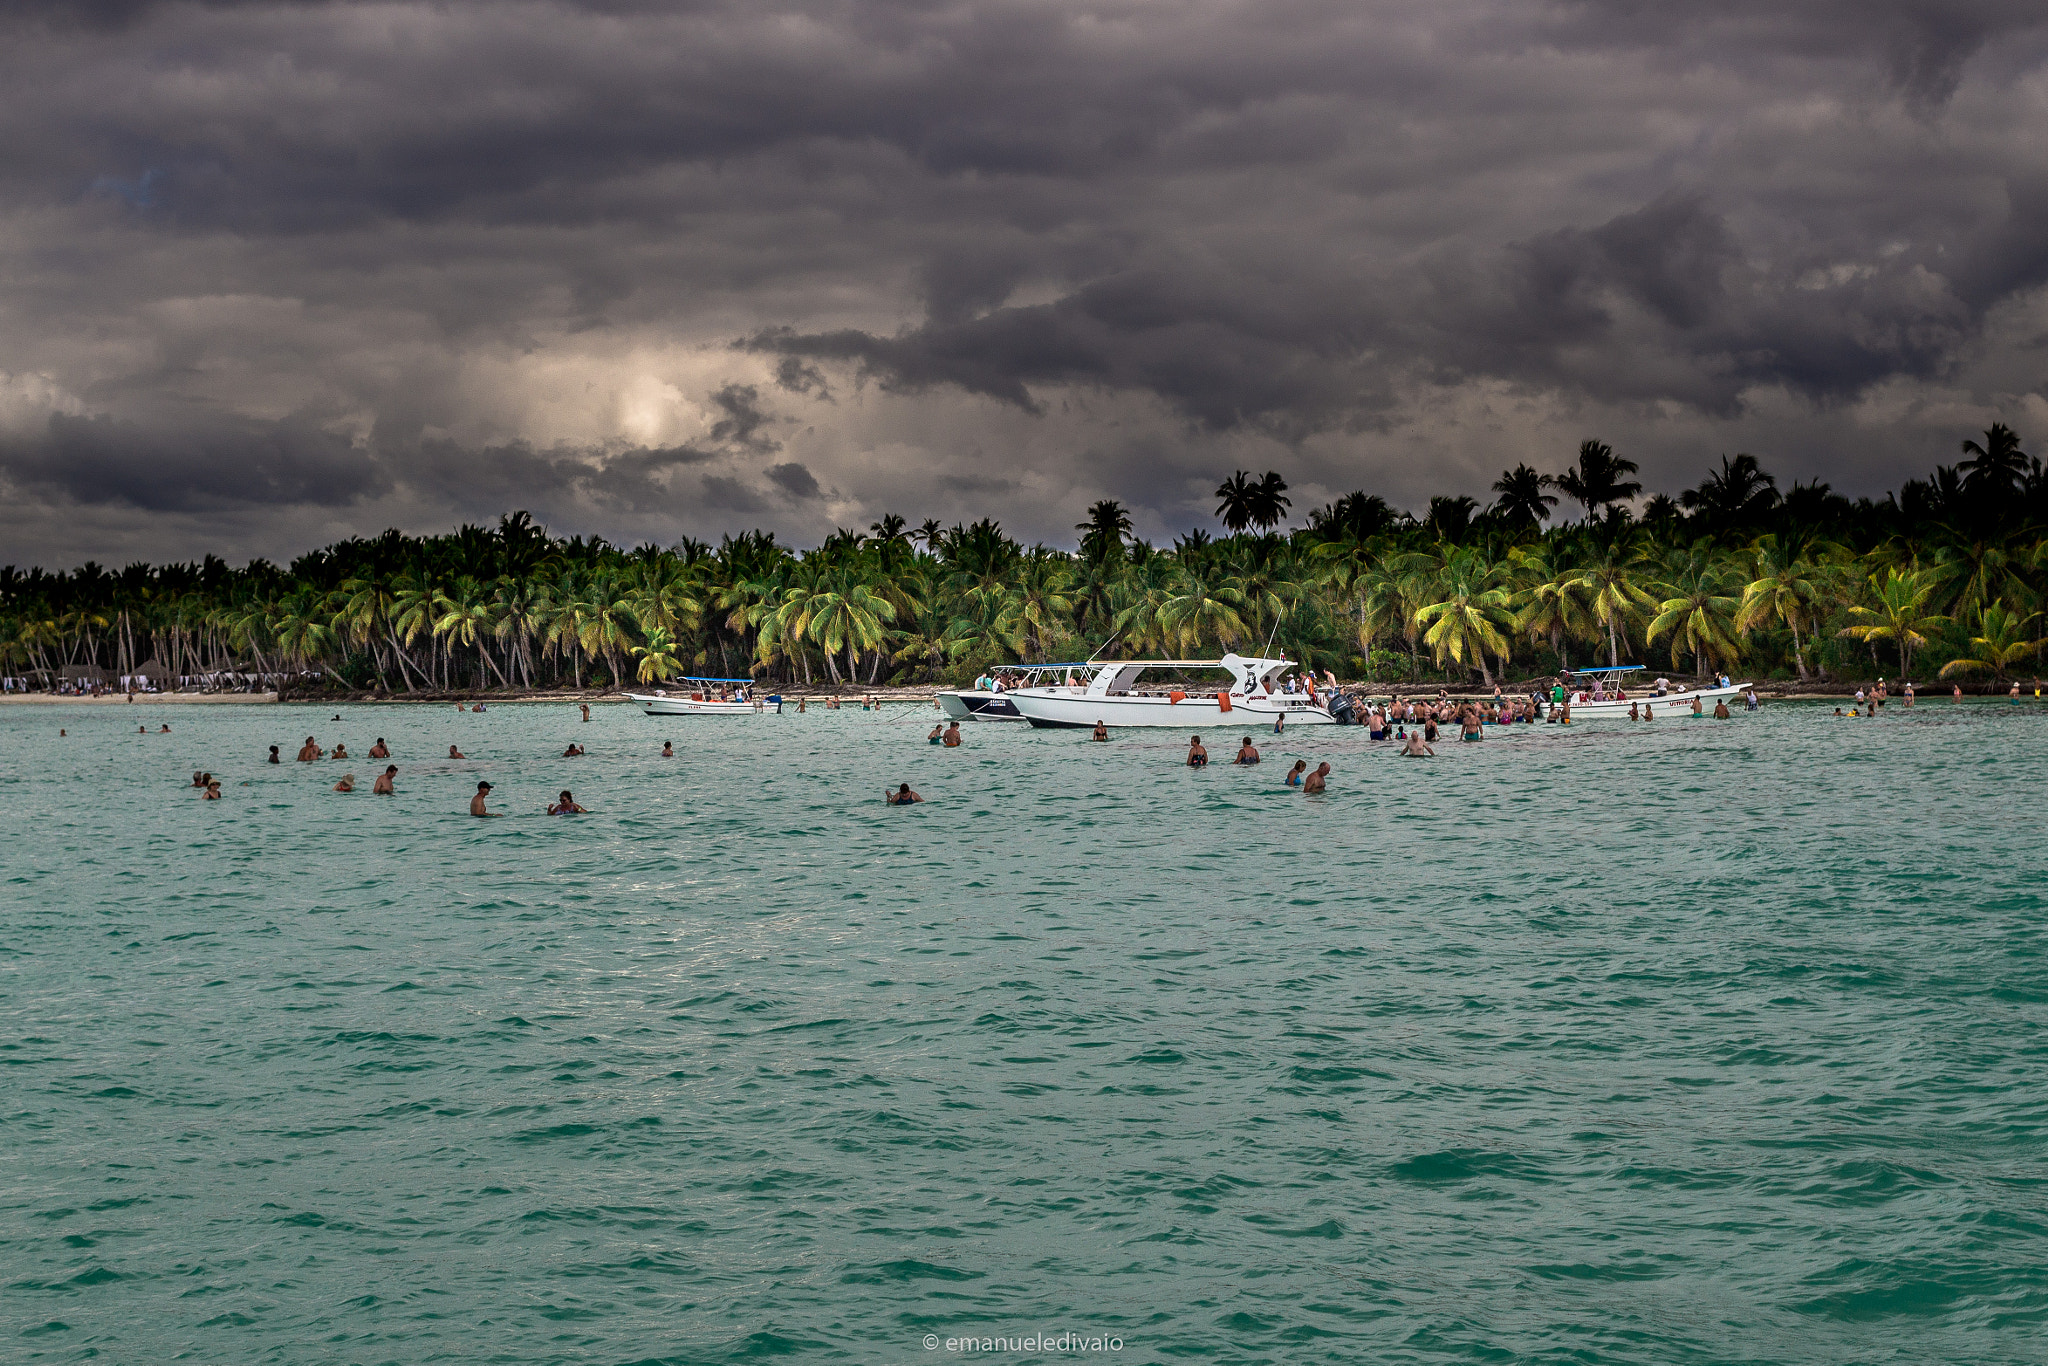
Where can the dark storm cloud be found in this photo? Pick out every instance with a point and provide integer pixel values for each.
(1289, 221)
(166, 468)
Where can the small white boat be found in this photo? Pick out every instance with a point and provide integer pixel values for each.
(708, 697)
(1117, 693)
(984, 704)
(1598, 694)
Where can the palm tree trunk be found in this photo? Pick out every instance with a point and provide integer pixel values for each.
(1798, 649)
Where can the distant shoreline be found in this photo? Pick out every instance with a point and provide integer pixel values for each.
(175, 699)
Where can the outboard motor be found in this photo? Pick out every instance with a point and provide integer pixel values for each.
(1340, 708)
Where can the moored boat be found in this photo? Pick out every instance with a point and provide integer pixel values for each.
(1597, 694)
(1118, 693)
(708, 697)
(994, 704)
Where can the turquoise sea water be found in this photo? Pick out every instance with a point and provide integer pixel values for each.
(1685, 1043)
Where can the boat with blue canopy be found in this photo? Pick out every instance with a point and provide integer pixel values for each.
(709, 697)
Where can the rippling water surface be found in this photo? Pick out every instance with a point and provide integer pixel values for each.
(1694, 1042)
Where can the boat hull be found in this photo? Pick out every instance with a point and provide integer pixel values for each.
(979, 706)
(1058, 708)
(659, 705)
(1670, 704)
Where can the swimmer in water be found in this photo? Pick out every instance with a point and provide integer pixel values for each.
(567, 806)
(347, 783)
(1417, 747)
(1246, 754)
(476, 803)
(1280, 724)
(1314, 781)
(1697, 709)
(379, 750)
(573, 752)
(1295, 774)
(142, 730)
(382, 787)
(340, 750)
(1197, 756)
(164, 729)
(586, 710)
(1101, 732)
(198, 778)
(938, 734)
(668, 749)
(273, 755)
(309, 751)
(902, 796)
(1721, 712)
(1632, 712)
(478, 707)
(212, 793)
(951, 739)
(455, 753)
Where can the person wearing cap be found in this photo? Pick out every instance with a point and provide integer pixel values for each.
(476, 803)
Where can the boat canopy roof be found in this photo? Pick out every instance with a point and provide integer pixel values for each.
(1610, 669)
(700, 678)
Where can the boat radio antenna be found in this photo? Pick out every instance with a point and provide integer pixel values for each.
(1103, 646)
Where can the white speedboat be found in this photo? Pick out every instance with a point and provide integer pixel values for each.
(1117, 692)
(708, 697)
(985, 704)
(1597, 694)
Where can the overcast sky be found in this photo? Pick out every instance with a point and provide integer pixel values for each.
(272, 274)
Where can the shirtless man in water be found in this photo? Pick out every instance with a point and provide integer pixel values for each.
(951, 739)
(574, 752)
(309, 751)
(378, 750)
(1314, 781)
(1417, 747)
(455, 753)
(382, 787)
(476, 803)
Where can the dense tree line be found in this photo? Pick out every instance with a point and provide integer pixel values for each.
(1944, 576)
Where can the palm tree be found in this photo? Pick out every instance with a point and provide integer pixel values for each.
(1102, 535)
(1608, 579)
(1899, 615)
(1550, 601)
(1468, 608)
(1522, 502)
(1202, 605)
(1597, 481)
(1784, 588)
(1998, 466)
(1244, 502)
(2001, 642)
(1699, 610)
(1738, 494)
(657, 657)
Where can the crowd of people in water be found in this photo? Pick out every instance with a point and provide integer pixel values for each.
(1414, 725)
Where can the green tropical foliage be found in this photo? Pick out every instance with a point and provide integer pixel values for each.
(1730, 574)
